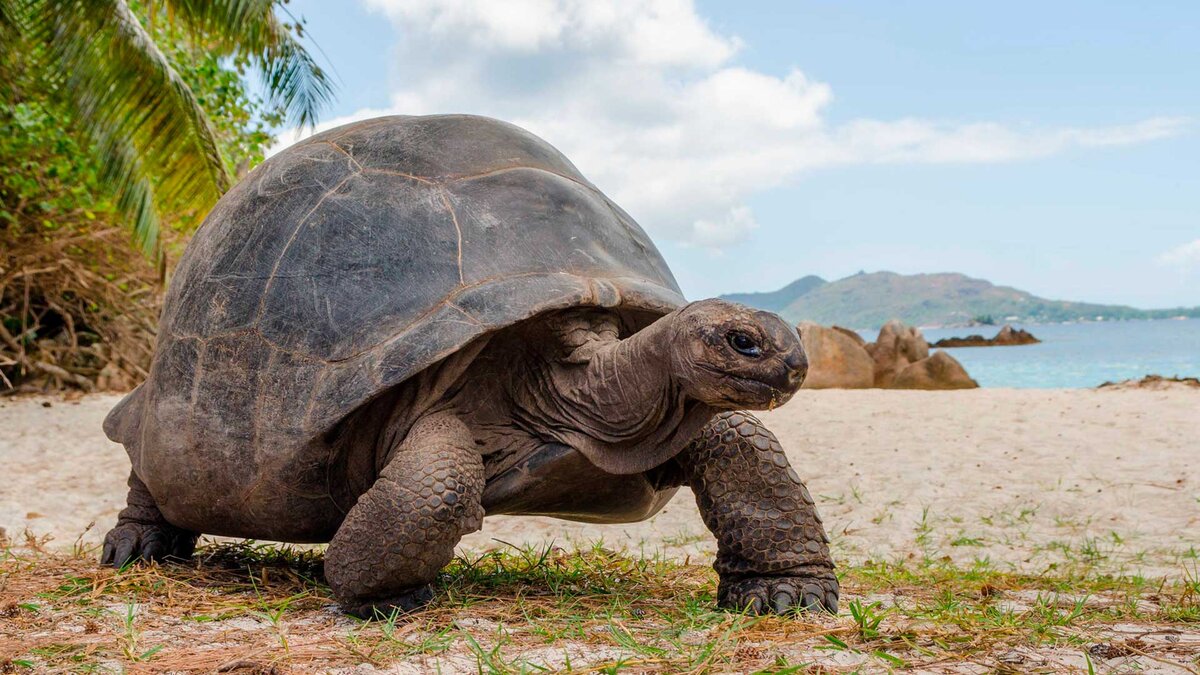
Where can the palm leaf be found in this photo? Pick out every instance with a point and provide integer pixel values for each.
(124, 174)
(292, 78)
(154, 140)
(8, 19)
(9, 35)
(140, 115)
(122, 86)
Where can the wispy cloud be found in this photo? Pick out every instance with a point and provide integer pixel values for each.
(1185, 256)
(645, 98)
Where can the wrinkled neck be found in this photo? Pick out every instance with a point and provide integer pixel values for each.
(625, 388)
(626, 408)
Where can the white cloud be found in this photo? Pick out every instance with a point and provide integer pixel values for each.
(732, 227)
(660, 33)
(643, 96)
(1184, 256)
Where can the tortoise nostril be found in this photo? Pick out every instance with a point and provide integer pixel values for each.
(796, 361)
(797, 364)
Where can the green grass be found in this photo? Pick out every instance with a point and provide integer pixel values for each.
(252, 607)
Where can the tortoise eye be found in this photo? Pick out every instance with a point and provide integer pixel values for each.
(744, 344)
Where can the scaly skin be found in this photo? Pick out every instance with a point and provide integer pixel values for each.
(772, 552)
(142, 533)
(403, 530)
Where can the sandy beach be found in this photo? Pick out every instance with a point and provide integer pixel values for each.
(1023, 478)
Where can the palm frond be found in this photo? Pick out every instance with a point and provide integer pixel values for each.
(10, 26)
(137, 110)
(295, 81)
(8, 17)
(9, 36)
(127, 178)
(292, 78)
(156, 144)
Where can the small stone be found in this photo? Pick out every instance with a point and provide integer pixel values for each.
(1011, 656)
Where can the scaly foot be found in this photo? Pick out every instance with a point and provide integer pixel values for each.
(780, 595)
(405, 602)
(131, 541)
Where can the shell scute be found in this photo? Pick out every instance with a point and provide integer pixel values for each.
(527, 221)
(358, 264)
(232, 258)
(445, 147)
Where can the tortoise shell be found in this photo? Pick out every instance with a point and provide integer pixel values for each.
(349, 262)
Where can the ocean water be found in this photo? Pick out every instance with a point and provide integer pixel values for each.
(1081, 354)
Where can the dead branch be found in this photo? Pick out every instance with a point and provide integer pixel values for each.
(79, 308)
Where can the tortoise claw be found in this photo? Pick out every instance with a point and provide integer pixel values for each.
(780, 594)
(403, 603)
(131, 542)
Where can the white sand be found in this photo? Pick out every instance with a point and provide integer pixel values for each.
(1022, 477)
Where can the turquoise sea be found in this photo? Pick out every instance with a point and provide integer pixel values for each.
(1081, 354)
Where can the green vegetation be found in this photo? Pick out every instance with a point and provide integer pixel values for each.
(140, 84)
(866, 301)
(257, 608)
(121, 118)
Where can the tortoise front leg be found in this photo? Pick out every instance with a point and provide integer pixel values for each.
(142, 532)
(403, 530)
(772, 552)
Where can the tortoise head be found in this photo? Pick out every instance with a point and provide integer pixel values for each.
(731, 356)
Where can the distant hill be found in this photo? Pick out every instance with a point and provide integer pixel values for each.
(869, 300)
(775, 301)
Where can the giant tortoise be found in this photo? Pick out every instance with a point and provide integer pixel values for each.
(398, 326)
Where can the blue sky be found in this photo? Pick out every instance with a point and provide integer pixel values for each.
(1054, 147)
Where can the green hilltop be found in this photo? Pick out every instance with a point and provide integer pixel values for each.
(866, 301)
(777, 301)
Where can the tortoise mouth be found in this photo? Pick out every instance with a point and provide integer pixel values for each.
(751, 391)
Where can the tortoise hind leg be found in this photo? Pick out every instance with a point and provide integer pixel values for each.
(142, 533)
(403, 530)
